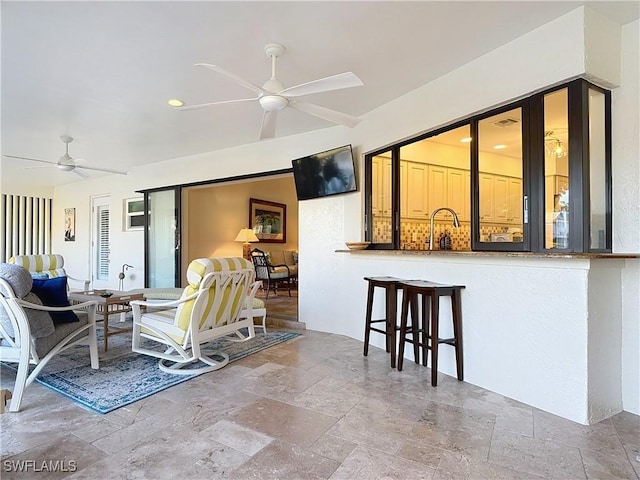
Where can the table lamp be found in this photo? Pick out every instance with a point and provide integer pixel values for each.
(245, 236)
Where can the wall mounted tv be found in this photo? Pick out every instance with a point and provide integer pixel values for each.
(326, 173)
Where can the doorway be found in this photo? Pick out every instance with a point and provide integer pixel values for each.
(100, 241)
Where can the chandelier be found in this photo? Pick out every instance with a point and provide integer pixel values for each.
(554, 146)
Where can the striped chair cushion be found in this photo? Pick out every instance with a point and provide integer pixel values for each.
(196, 272)
(49, 264)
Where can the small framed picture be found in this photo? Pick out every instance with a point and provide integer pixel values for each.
(69, 224)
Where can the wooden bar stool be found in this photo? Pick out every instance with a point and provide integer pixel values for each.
(391, 285)
(424, 332)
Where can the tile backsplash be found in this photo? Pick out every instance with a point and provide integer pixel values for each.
(415, 235)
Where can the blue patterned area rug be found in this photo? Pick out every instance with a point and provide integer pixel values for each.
(129, 377)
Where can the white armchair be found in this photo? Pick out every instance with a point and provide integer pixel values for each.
(210, 307)
(28, 334)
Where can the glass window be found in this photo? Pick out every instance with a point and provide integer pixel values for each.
(500, 167)
(134, 214)
(381, 199)
(597, 170)
(435, 177)
(509, 187)
(556, 169)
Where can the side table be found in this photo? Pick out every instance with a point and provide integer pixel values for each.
(116, 303)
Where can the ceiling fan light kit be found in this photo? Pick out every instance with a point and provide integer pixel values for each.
(274, 97)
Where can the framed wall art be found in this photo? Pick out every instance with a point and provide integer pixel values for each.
(268, 220)
(69, 224)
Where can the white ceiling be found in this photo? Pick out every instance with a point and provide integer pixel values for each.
(102, 72)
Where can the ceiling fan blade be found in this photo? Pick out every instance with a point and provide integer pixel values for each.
(81, 173)
(232, 76)
(268, 129)
(101, 170)
(31, 159)
(325, 113)
(204, 105)
(335, 82)
(39, 166)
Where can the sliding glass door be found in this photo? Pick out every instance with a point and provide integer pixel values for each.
(162, 238)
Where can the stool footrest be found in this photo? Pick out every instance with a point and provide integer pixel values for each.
(448, 341)
(378, 330)
(378, 321)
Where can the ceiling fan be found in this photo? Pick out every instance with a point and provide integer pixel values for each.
(68, 164)
(273, 96)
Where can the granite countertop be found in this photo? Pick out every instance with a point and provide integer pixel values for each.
(470, 253)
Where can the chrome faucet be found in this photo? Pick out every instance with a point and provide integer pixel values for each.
(456, 223)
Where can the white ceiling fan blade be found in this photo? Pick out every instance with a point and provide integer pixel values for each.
(325, 113)
(335, 82)
(39, 166)
(102, 170)
(204, 105)
(80, 173)
(31, 159)
(268, 129)
(232, 76)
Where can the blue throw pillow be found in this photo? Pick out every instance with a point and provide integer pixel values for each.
(52, 292)
(40, 275)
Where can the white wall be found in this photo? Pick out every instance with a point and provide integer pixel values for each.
(626, 206)
(549, 55)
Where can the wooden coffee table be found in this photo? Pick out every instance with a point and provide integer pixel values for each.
(116, 303)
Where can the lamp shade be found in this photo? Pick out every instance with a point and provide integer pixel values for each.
(246, 235)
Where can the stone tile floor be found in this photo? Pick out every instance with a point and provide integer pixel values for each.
(313, 408)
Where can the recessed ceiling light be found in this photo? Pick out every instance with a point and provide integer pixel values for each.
(500, 147)
(174, 102)
(466, 140)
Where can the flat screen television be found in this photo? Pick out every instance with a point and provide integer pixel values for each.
(325, 173)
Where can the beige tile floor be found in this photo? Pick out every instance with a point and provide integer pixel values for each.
(315, 408)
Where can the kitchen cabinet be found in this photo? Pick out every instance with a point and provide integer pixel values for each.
(415, 183)
(515, 201)
(459, 193)
(428, 187)
(437, 194)
(404, 194)
(381, 186)
(500, 199)
(487, 201)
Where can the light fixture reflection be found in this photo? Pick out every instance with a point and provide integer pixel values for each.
(466, 140)
(174, 102)
(500, 147)
(554, 146)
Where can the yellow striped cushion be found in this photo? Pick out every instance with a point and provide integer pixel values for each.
(50, 264)
(196, 272)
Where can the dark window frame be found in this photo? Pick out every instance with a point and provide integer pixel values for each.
(533, 184)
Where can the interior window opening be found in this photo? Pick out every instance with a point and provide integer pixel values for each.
(556, 170)
(511, 179)
(435, 185)
(597, 171)
(500, 177)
